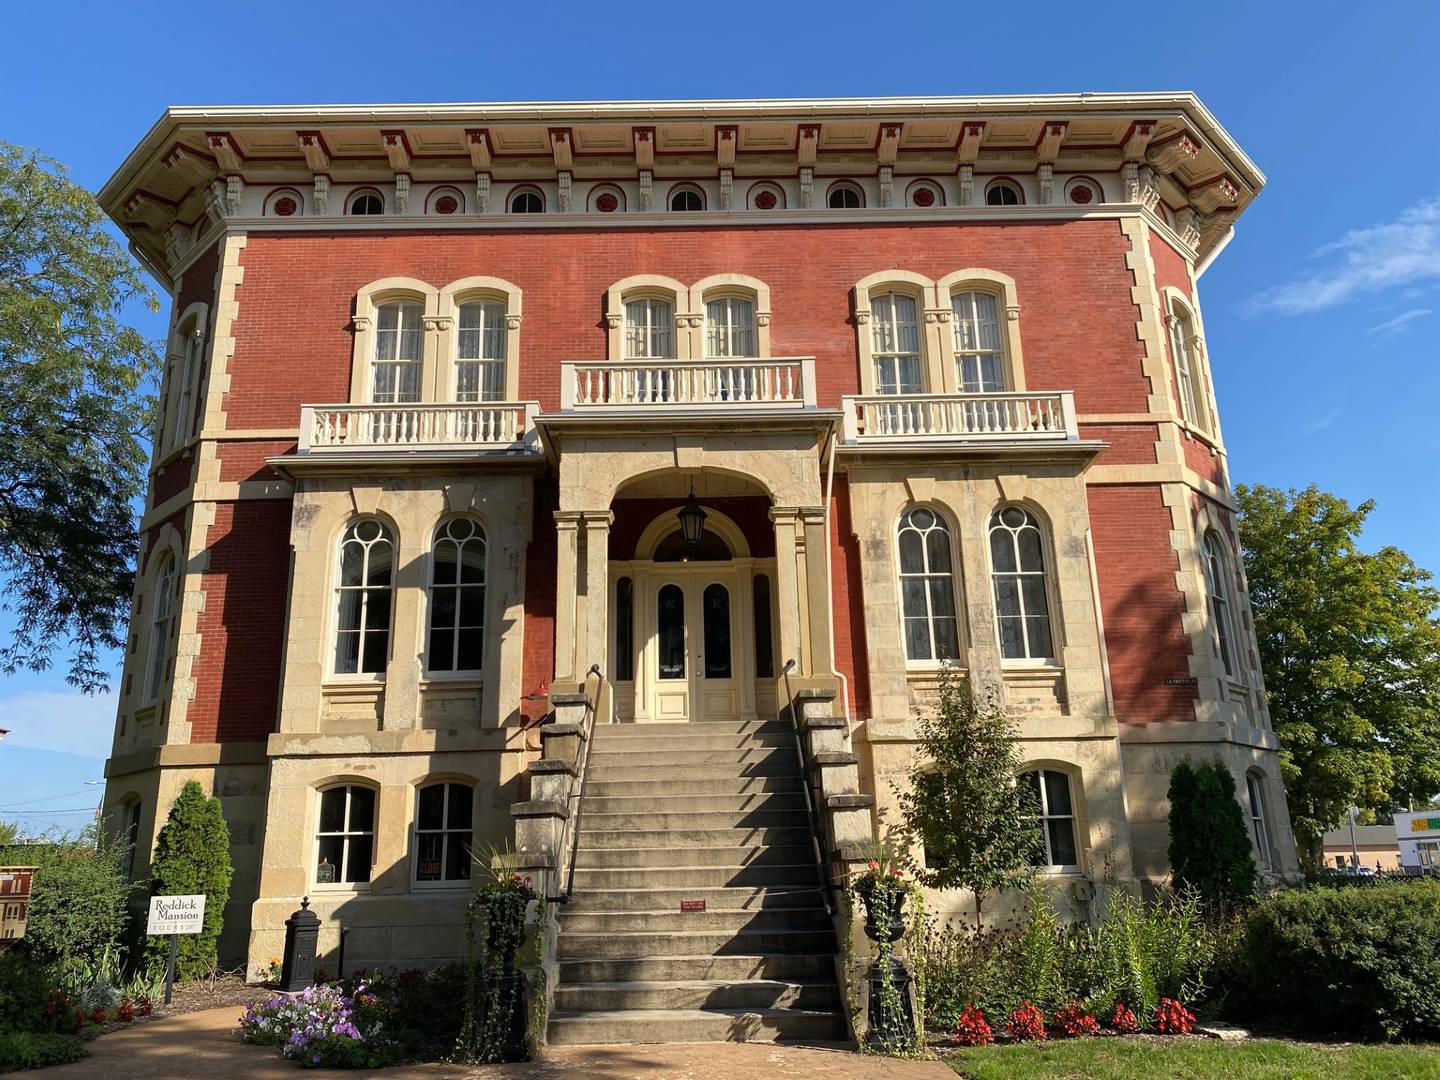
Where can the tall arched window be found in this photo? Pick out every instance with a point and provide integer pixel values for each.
(764, 634)
(625, 630)
(1259, 824)
(895, 344)
(1022, 595)
(162, 615)
(444, 833)
(1217, 590)
(399, 352)
(184, 419)
(729, 326)
(979, 351)
(345, 835)
(927, 586)
(480, 352)
(1184, 347)
(362, 595)
(457, 597)
(649, 329)
(132, 837)
(1051, 790)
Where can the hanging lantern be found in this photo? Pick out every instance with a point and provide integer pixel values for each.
(692, 520)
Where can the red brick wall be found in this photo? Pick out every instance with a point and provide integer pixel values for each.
(538, 667)
(848, 602)
(172, 480)
(246, 460)
(1141, 603)
(242, 628)
(1200, 458)
(1130, 444)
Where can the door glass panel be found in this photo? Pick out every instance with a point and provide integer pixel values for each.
(717, 632)
(670, 619)
(764, 643)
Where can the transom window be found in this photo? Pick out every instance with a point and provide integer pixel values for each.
(345, 839)
(1003, 193)
(927, 586)
(1217, 589)
(1017, 565)
(1259, 829)
(979, 355)
(160, 619)
(895, 344)
(457, 597)
(649, 329)
(366, 203)
(686, 199)
(844, 197)
(362, 626)
(480, 352)
(1187, 369)
(399, 350)
(527, 202)
(729, 327)
(1057, 819)
(444, 833)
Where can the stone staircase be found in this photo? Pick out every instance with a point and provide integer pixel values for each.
(685, 812)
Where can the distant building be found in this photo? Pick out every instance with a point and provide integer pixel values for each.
(15, 882)
(1417, 835)
(1374, 845)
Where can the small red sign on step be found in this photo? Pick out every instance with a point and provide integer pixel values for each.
(692, 905)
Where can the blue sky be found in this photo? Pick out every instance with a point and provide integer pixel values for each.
(1321, 316)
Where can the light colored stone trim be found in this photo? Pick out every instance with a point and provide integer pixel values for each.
(451, 297)
(1160, 474)
(752, 288)
(654, 286)
(1002, 287)
(922, 290)
(367, 300)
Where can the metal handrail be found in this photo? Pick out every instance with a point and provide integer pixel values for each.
(816, 830)
(577, 792)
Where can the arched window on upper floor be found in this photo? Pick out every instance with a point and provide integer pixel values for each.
(1185, 351)
(979, 345)
(363, 592)
(480, 351)
(895, 344)
(1004, 192)
(526, 200)
(1259, 819)
(730, 326)
(395, 367)
(130, 823)
(649, 328)
(457, 598)
(1022, 587)
(364, 203)
(686, 198)
(927, 586)
(1218, 599)
(162, 620)
(845, 195)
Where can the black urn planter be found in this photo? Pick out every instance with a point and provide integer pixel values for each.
(884, 910)
(505, 926)
(892, 1014)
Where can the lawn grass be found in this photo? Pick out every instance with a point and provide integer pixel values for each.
(1182, 1059)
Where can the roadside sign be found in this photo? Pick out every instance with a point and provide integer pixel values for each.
(171, 916)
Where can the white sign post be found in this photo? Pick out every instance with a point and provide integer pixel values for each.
(172, 915)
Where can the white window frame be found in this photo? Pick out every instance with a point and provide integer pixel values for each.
(886, 328)
(400, 364)
(364, 193)
(162, 616)
(346, 834)
(183, 421)
(997, 524)
(444, 832)
(1218, 597)
(1050, 866)
(1185, 348)
(458, 588)
(491, 376)
(730, 338)
(965, 313)
(364, 631)
(132, 809)
(840, 187)
(1005, 182)
(927, 575)
(656, 329)
(1259, 820)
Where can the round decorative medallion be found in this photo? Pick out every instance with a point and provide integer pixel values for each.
(1082, 194)
(765, 200)
(607, 203)
(924, 196)
(447, 204)
(285, 206)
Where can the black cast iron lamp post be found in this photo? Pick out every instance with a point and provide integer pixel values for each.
(692, 521)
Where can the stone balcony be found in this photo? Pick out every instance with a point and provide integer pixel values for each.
(716, 386)
(879, 420)
(485, 426)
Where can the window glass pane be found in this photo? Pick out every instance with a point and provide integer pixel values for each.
(362, 809)
(937, 546)
(431, 813)
(458, 856)
(1032, 592)
(1012, 641)
(716, 601)
(330, 853)
(1002, 551)
(942, 598)
(1032, 556)
(1007, 596)
(378, 564)
(1041, 647)
(441, 655)
(912, 552)
(442, 571)
(377, 609)
(671, 631)
(1057, 793)
(359, 851)
(1062, 842)
(764, 643)
(947, 639)
(429, 849)
(912, 597)
(917, 639)
(462, 799)
(376, 651)
(472, 606)
(347, 652)
(332, 810)
(624, 630)
(471, 648)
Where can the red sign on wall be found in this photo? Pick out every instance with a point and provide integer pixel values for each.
(692, 905)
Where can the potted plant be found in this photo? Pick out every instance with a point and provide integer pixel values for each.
(882, 887)
(494, 1026)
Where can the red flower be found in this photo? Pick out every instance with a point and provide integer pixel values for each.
(1075, 1022)
(1027, 1024)
(1172, 1018)
(972, 1029)
(1124, 1020)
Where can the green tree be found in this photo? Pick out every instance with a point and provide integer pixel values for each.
(1209, 844)
(73, 417)
(9, 833)
(961, 803)
(78, 904)
(192, 856)
(1350, 645)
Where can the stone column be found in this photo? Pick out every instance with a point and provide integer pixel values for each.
(567, 525)
(972, 547)
(407, 635)
(817, 577)
(590, 633)
(788, 601)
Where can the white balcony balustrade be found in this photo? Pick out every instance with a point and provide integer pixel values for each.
(486, 425)
(1021, 417)
(659, 385)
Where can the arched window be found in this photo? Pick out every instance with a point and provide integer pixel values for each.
(649, 329)
(345, 836)
(480, 351)
(162, 615)
(131, 811)
(844, 196)
(927, 586)
(1259, 823)
(764, 635)
(365, 203)
(1004, 193)
(444, 833)
(729, 327)
(625, 630)
(184, 419)
(399, 353)
(457, 597)
(1017, 567)
(362, 595)
(686, 199)
(895, 344)
(1217, 590)
(1057, 819)
(527, 201)
(1184, 346)
(979, 351)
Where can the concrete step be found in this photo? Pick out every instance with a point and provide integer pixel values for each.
(672, 754)
(719, 785)
(729, 878)
(697, 727)
(674, 772)
(705, 994)
(660, 819)
(717, 853)
(755, 801)
(666, 896)
(783, 966)
(716, 920)
(575, 945)
(647, 744)
(742, 837)
(694, 1025)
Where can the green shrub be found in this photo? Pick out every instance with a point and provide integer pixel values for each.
(78, 907)
(27, 1050)
(1210, 848)
(1348, 961)
(192, 856)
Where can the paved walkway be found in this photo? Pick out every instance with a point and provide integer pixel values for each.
(205, 1045)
